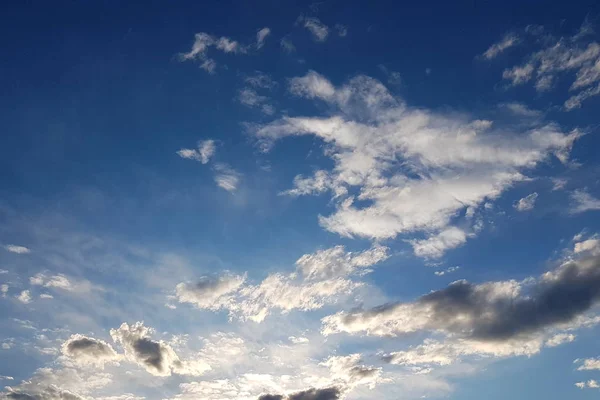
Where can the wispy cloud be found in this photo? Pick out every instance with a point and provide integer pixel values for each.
(582, 201)
(261, 36)
(317, 29)
(526, 203)
(17, 249)
(205, 151)
(226, 177)
(496, 49)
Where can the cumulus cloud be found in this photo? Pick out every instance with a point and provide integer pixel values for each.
(591, 384)
(436, 246)
(526, 203)
(589, 364)
(210, 293)
(582, 201)
(507, 42)
(559, 339)
(24, 297)
(85, 350)
(17, 249)
(446, 271)
(205, 151)
(493, 312)
(157, 357)
(349, 372)
(400, 170)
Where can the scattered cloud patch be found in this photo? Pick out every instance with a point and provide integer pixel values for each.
(17, 249)
(261, 36)
(342, 30)
(582, 201)
(205, 151)
(24, 297)
(85, 350)
(317, 29)
(527, 203)
(226, 177)
(496, 49)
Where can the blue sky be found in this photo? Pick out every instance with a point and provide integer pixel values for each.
(296, 200)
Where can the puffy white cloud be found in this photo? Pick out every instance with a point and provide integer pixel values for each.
(526, 203)
(589, 364)
(582, 201)
(206, 150)
(24, 297)
(436, 246)
(400, 170)
(446, 271)
(591, 384)
(507, 42)
(157, 357)
(17, 249)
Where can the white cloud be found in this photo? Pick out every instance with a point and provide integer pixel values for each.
(521, 110)
(335, 262)
(260, 80)
(24, 297)
(261, 36)
(17, 249)
(559, 183)
(507, 42)
(576, 55)
(321, 279)
(436, 246)
(582, 201)
(527, 203)
(209, 65)
(226, 177)
(250, 98)
(409, 170)
(590, 246)
(559, 339)
(318, 30)
(206, 150)
(4, 289)
(446, 271)
(61, 282)
(589, 364)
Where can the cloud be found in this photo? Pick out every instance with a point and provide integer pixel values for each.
(157, 357)
(559, 183)
(589, 364)
(260, 80)
(400, 170)
(4, 289)
(261, 36)
(507, 42)
(287, 45)
(206, 150)
(582, 201)
(17, 249)
(250, 98)
(446, 271)
(436, 246)
(321, 278)
(61, 282)
(559, 339)
(342, 30)
(24, 297)
(575, 55)
(349, 371)
(332, 393)
(526, 203)
(86, 350)
(521, 110)
(493, 312)
(317, 29)
(209, 65)
(591, 384)
(210, 293)
(335, 262)
(226, 177)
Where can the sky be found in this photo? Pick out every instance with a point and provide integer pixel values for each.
(289, 200)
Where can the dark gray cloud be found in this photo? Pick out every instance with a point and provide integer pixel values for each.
(88, 350)
(49, 393)
(494, 311)
(157, 357)
(331, 393)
